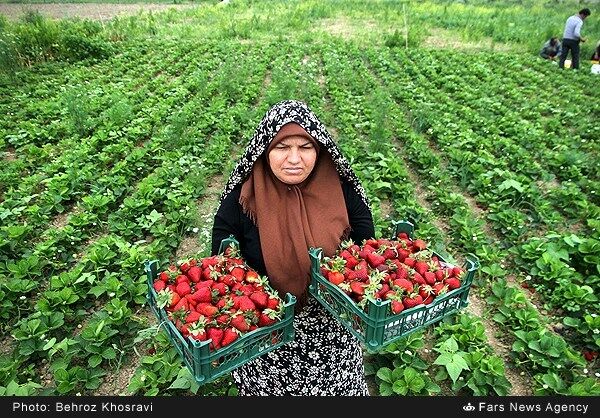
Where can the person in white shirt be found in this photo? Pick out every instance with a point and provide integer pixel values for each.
(572, 37)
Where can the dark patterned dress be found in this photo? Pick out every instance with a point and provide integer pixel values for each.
(323, 360)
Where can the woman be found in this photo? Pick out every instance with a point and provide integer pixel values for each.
(291, 190)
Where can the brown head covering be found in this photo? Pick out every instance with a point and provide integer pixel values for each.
(293, 218)
(290, 219)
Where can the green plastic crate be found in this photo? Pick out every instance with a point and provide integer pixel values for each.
(377, 326)
(206, 365)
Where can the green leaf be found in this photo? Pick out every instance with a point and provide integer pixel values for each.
(94, 360)
(385, 374)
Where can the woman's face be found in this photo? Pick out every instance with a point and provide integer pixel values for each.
(292, 159)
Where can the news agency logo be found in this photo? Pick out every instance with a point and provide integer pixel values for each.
(468, 407)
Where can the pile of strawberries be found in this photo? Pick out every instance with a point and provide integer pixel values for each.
(403, 271)
(217, 298)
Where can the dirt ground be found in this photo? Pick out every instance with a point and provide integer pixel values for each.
(93, 11)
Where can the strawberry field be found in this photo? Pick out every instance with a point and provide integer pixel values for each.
(117, 138)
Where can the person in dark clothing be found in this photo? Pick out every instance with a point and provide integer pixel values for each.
(292, 189)
(596, 54)
(572, 37)
(551, 49)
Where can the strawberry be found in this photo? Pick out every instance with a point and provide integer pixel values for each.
(457, 272)
(229, 336)
(411, 302)
(239, 273)
(429, 277)
(159, 285)
(216, 335)
(396, 306)
(202, 294)
(267, 317)
(194, 274)
(417, 278)
(421, 267)
(410, 262)
(439, 288)
(182, 304)
(260, 299)
(207, 309)
(375, 259)
(252, 277)
(357, 287)
(240, 322)
(183, 288)
(419, 245)
(335, 277)
(452, 282)
(274, 303)
(405, 285)
(184, 266)
(220, 288)
(193, 316)
(245, 303)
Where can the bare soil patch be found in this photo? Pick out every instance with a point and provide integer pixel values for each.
(91, 11)
(445, 39)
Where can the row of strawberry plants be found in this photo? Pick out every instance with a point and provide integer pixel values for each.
(465, 231)
(70, 113)
(528, 172)
(505, 116)
(99, 154)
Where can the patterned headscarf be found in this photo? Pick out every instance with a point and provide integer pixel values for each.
(292, 218)
(280, 114)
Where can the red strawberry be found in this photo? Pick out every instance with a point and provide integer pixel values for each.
(452, 282)
(396, 306)
(274, 303)
(220, 288)
(159, 285)
(202, 294)
(421, 267)
(267, 317)
(240, 322)
(375, 259)
(216, 335)
(245, 303)
(439, 288)
(193, 316)
(195, 274)
(252, 277)
(419, 245)
(229, 336)
(404, 284)
(183, 288)
(239, 273)
(429, 277)
(184, 266)
(207, 309)
(260, 299)
(334, 277)
(357, 287)
(411, 302)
